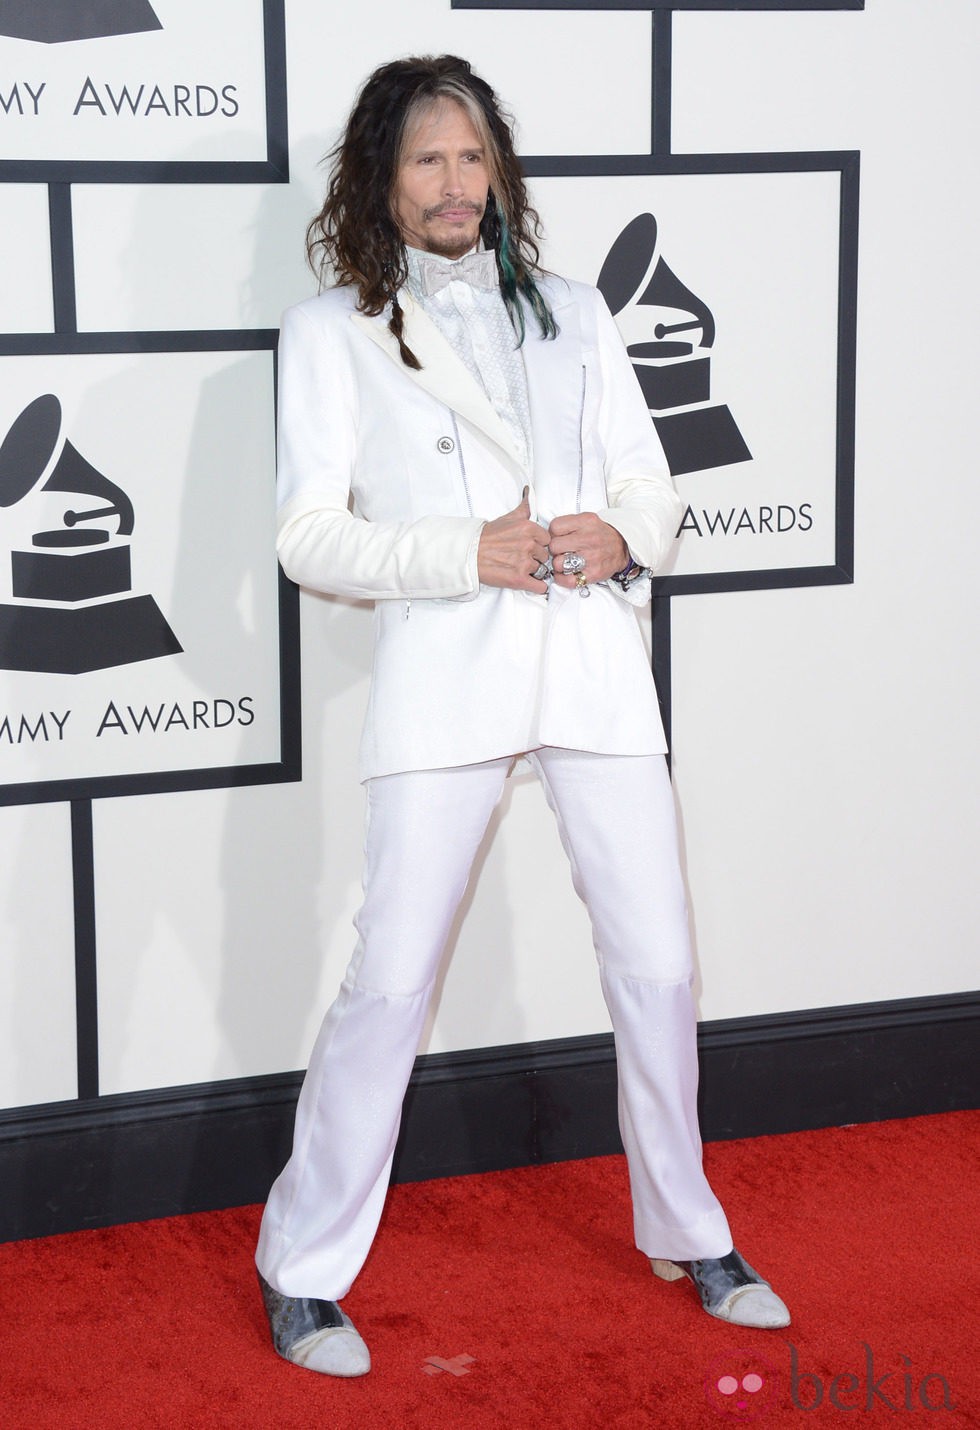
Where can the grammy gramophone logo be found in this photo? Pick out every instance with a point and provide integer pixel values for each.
(72, 609)
(55, 22)
(669, 333)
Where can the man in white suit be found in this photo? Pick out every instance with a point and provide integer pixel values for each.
(463, 441)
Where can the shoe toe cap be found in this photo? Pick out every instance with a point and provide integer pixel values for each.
(339, 1350)
(757, 1306)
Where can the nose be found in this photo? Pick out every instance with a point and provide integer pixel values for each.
(454, 179)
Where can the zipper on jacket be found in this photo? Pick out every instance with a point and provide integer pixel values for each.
(408, 608)
(462, 464)
(581, 445)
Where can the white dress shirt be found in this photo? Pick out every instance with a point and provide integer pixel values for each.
(477, 326)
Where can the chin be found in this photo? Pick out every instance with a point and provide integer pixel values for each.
(449, 248)
(452, 245)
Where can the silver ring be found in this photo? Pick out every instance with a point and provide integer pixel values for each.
(541, 571)
(573, 563)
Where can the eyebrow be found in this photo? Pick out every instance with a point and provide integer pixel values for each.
(435, 153)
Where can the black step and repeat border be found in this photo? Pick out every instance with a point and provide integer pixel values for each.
(130, 1157)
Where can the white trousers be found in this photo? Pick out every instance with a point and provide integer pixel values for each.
(616, 819)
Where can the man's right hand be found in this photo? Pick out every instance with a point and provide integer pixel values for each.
(511, 548)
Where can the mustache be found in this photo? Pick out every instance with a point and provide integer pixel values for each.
(455, 205)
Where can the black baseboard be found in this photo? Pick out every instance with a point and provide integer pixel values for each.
(70, 1165)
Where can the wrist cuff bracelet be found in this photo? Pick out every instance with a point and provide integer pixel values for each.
(631, 572)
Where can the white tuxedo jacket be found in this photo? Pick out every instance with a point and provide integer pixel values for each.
(386, 477)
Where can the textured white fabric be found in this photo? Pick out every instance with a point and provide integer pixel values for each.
(428, 460)
(618, 826)
(475, 323)
(424, 828)
(478, 268)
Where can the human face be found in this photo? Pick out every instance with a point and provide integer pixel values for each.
(442, 181)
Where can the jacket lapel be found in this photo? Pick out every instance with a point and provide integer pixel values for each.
(443, 375)
(555, 385)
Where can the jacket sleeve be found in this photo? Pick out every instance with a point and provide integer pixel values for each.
(644, 507)
(321, 543)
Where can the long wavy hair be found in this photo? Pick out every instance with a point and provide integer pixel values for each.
(355, 237)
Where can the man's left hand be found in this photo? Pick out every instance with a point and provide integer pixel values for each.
(599, 544)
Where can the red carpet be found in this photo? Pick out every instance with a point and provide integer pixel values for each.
(868, 1232)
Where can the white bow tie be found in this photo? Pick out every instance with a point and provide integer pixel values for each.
(477, 269)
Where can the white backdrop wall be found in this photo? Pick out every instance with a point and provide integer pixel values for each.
(826, 763)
